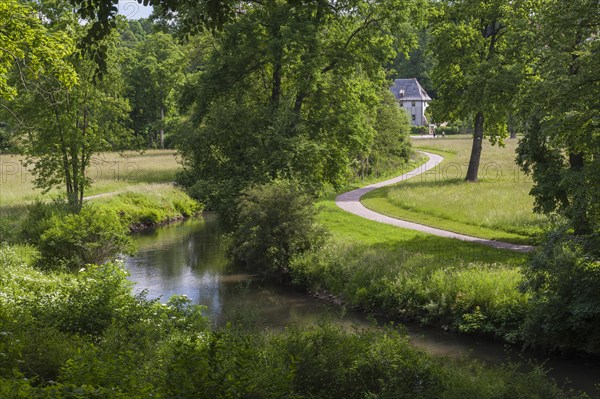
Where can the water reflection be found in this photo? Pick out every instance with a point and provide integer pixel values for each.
(189, 259)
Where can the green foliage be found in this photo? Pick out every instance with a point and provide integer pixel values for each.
(153, 71)
(444, 130)
(419, 130)
(28, 48)
(564, 281)
(390, 148)
(90, 236)
(559, 109)
(289, 90)
(38, 219)
(276, 224)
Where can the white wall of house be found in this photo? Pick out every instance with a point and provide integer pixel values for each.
(416, 111)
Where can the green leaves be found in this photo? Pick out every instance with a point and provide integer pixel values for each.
(28, 49)
(290, 90)
(559, 108)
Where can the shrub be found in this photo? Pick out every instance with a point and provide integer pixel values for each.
(419, 130)
(90, 236)
(38, 219)
(444, 130)
(564, 281)
(276, 224)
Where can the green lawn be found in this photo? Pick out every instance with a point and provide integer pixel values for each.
(497, 207)
(402, 273)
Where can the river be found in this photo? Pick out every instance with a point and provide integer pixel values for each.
(188, 258)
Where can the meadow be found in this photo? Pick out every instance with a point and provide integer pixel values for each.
(129, 171)
(109, 172)
(497, 207)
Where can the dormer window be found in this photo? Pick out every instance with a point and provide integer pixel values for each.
(401, 92)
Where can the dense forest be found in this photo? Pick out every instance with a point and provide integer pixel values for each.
(272, 106)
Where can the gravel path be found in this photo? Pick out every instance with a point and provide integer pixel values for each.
(350, 202)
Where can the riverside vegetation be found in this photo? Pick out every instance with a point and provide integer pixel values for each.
(83, 334)
(277, 100)
(71, 329)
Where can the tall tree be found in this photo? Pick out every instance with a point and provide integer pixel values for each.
(480, 64)
(28, 48)
(65, 123)
(290, 91)
(560, 110)
(153, 72)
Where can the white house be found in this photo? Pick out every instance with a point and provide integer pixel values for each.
(413, 98)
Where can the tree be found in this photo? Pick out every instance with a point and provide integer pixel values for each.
(65, 126)
(560, 110)
(153, 72)
(390, 147)
(65, 123)
(480, 64)
(28, 48)
(290, 91)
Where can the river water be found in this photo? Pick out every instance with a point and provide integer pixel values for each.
(188, 259)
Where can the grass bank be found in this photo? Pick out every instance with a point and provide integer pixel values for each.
(130, 173)
(83, 334)
(410, 275)
(497, 207)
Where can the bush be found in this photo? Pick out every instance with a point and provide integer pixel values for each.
(445, 130)
(564, 281)
(276, 224)
(90, 236)
(38, 219)
(419, 130)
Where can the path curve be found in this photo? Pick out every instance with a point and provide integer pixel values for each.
(350, 202)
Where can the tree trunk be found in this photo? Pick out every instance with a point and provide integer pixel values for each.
(473, 170)
(162, 127)
(581, 223)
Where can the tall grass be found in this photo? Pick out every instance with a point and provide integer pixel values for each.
(410, 275)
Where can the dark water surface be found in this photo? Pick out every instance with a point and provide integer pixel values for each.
(188, 259)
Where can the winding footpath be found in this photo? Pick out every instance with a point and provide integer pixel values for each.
(350, 202)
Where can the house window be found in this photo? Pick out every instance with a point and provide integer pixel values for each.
(414, 117)
(413, 104)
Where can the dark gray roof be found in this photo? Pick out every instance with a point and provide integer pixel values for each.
(409, 89)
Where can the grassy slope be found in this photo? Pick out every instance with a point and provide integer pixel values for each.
(110, 172)
(498, 207)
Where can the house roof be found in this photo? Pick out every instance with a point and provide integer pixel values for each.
(409, 89)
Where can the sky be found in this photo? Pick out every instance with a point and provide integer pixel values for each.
(133, 10)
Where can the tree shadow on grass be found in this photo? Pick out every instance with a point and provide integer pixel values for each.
(442, 249)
